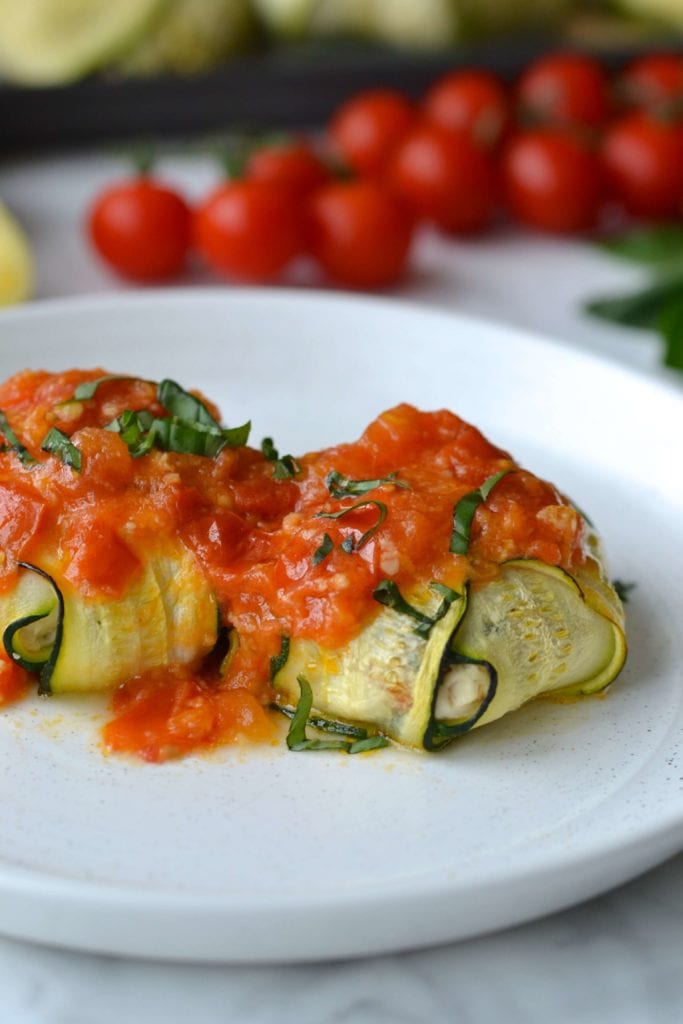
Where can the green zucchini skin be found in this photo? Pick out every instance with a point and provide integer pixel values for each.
(45, 664)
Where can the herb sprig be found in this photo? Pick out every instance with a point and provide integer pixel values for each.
(284, 466)
(658, 306)
(463, 513)
(341, 486)
(14, 444)
(350, 544)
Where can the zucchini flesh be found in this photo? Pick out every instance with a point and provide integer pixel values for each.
(532, 630)
(535, 625)
(167, 616)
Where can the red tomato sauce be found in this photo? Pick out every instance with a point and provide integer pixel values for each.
(256, 537)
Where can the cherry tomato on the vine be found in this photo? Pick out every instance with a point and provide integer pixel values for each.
(643, 158)
(473, 102)
(553, 181)
(445, 178)
(250, 230)
(365, 129)
(141, 229)
(568, 89)
(293, 165)
(654, 83)
(359, 233)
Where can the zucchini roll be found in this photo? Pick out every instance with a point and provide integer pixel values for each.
(422, 679)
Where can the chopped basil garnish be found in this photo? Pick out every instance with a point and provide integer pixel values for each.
(141, 432)
(463, 513)
(297, 739)
(184, 406)
(87, 390)
(283, 468)
(323, 551)
(349, 545)
(14, 444)
(278, 661)
(388, 594)
(57, 443)
(623, 589)
(341, 486)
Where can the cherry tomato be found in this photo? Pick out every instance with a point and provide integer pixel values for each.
(473, 102)
(654, 83)
(553, 181)
(293, 165)
(366, 128)
(249, 229)
(566, 89)
(359, 233)
(141, 229)
(445, 178)
(643, 158)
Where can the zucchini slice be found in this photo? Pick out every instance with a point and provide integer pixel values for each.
(168, 616)
(533, 630)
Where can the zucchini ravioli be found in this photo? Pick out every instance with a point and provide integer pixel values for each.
(409, 586)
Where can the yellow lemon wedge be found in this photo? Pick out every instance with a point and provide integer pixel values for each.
(16, 262)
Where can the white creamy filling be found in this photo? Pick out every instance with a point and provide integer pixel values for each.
(463, 689)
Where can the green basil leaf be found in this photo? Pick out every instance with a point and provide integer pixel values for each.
(671, 327)
(369, 743)
(87, 390)
(623, 589)
(638, 309)
(649, 245)
(465, 508)
(183, 405)
(298, 741)
(278, 661)
(349, 545)
(57, 443)
(323, 551)
(341, 486)
(388, 594)
(284, 467)
(14, 444)
(141, 432)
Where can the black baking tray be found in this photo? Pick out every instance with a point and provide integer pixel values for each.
(289, 87)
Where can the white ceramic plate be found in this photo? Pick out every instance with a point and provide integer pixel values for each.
(256, 855)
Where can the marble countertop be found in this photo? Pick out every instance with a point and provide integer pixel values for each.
(614, 960)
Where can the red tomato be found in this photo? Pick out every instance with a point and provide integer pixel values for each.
(141, 229)
(643, 158)
(293, 165)
(445, 178)
(553, 181)
(474, 102)
(654, 82)
(565, 89)
(249, 229)
(359, 233)
(365, 129)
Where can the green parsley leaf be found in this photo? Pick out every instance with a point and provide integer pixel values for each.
(87, 390)
(654, 246)
(57, 443)
(184, 406)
